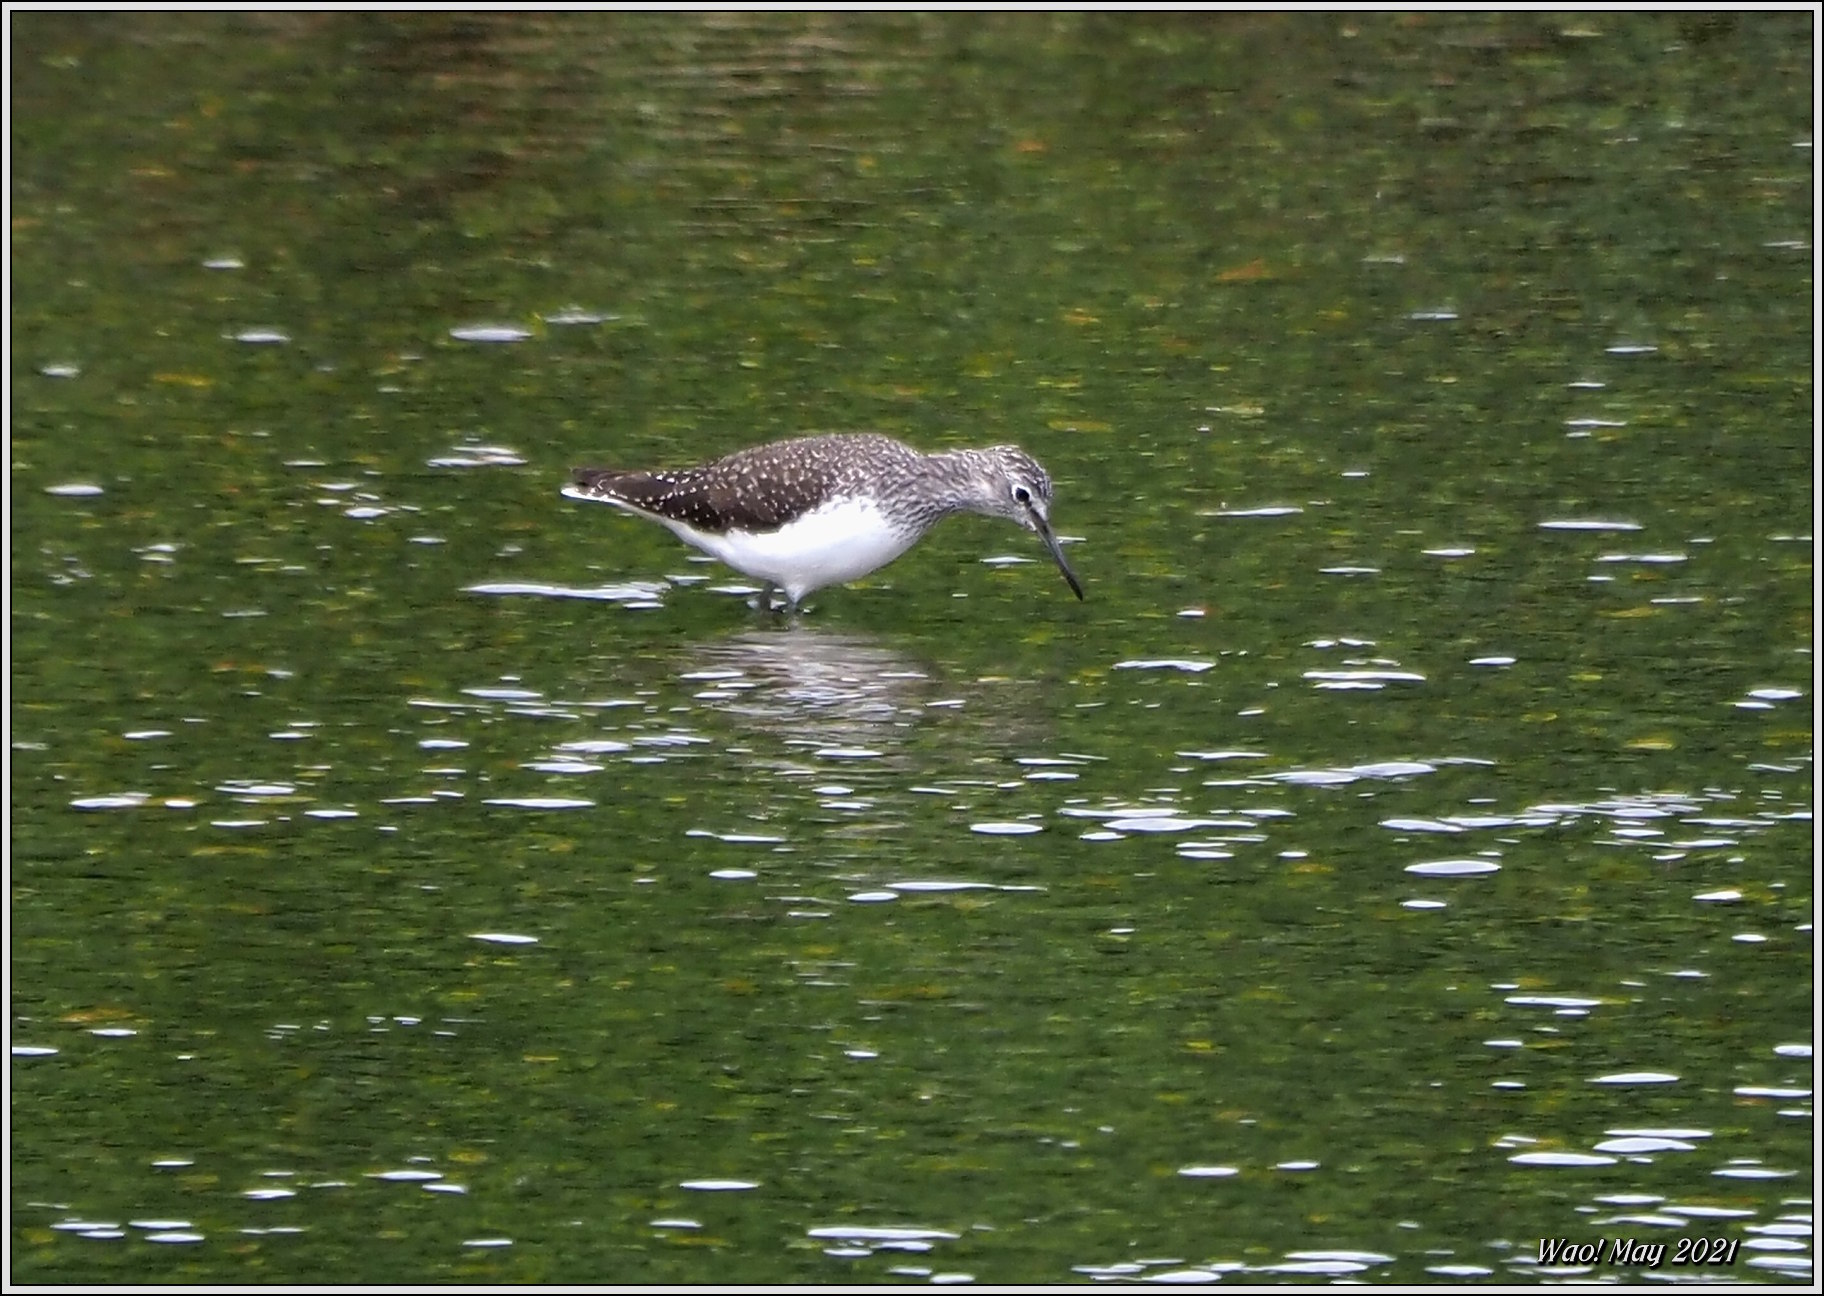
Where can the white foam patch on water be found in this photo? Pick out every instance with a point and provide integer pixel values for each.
(630, 593)
(1362, 679)
(880, 1233)
(1454, 868)
(115, 801)
(475, 455)
(935, 885)
(1587, 524)
(1640, 1144)
(1166, 824)
(1567, 1160)
(1635, 1078)
(540, 803)
(490, 333)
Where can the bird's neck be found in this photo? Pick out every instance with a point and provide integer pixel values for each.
(958, 482)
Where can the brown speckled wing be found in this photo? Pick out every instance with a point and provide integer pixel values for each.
(758, 489)
(661, 494)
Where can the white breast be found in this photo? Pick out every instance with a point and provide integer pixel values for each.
(828, 546)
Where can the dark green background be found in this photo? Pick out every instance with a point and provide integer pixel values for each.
(1199, 264)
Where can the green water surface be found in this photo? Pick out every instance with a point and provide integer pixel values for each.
(1402, 858)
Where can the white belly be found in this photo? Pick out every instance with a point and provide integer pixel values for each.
(829, 546)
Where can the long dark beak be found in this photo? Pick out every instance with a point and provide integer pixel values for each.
(1043, 527)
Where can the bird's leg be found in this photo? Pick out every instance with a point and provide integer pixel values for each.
(763, 601)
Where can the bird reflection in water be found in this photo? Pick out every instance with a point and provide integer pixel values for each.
(808, 683)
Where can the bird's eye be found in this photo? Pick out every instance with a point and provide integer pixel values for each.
(1023, 495)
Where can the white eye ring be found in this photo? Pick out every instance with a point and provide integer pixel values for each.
(1021, 494)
